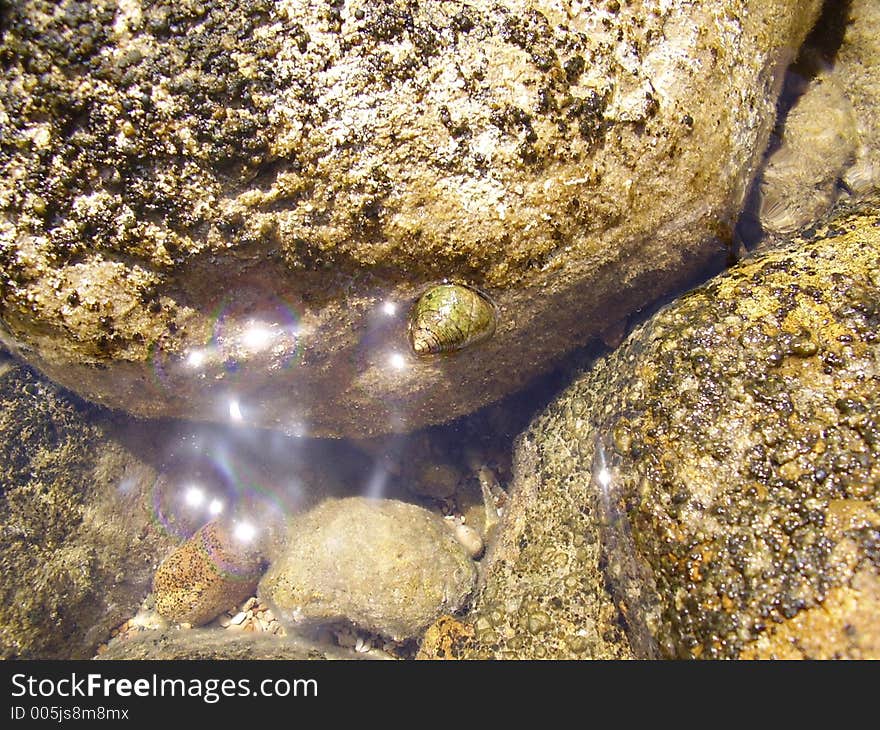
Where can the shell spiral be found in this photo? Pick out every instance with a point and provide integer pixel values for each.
(450, 317)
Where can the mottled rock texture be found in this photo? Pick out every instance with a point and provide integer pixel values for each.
(718, 473)
(383, 565)
(203, 205)
(212, 571)
(78, 544)
(802, 177)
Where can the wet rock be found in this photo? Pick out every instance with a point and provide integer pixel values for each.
(437, 481)
(80, 542)
(383, 565)
(221, 645)
(227, 211)
(828, 146)
(721, 468)
(216, 569)
(443, 638)
(858, 64)
(801, 179)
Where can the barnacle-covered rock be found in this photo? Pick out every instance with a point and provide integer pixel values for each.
(383, 565)
(720, 472)
(218, 567)
(450, 317)
(225, 210)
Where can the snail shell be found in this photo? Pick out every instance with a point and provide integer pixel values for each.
(449, 317)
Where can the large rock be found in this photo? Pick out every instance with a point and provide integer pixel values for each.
(80, 540)
(225, 210)
(386, 566)
(719, 473)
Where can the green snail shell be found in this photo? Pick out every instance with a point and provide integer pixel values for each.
(450, 317)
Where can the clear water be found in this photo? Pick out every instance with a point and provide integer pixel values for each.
(255, 478)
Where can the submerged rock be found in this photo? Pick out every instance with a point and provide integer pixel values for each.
(719, 472)
(858, 65)
(829, 144)
(215, 569)
(801, 180)
(80, 541)
(227, 210)
(386, 566)
(221, 645)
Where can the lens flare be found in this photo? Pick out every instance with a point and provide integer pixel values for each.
(244, 532)
(397, 361)
(194, 496)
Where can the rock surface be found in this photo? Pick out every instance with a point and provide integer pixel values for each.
(221, 645)
(725, 462)
(801, 179)
(215, 569)
(79, 542)
(829, 144)
(205, 207)
(386, 566)
(858, 65)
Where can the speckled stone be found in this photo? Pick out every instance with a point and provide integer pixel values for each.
(204, 198)
(212, 571)
(79, 540)
(386, 566)
(718, 473)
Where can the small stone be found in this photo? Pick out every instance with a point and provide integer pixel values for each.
(208, 644)
(238, 619)
(437, 481)
(205, 574)
(386, 566)
(469, 538)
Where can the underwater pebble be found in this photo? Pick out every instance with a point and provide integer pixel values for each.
(469, 538)
(437, 481)
(386, 566)
(206, 574)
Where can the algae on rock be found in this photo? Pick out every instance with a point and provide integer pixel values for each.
(199, 199)
(726, 458)
(78, 545)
